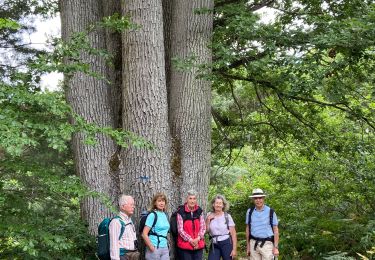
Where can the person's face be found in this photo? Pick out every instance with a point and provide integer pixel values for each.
(218, 205)
(191, 201)
(128, 208)
(259, 202)
(160, 204)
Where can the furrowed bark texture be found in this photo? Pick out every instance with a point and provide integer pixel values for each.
(145, 110)
(114, 71)
(91, 99)
(147, 95)
(189, 109)
(114, 75)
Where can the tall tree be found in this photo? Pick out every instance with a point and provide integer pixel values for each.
(145, 107)
(92, 99)
(168, 107)
(190, 95)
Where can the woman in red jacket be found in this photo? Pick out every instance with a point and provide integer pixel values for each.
(191, 228)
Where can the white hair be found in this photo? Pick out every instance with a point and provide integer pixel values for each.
(192, 193)
(124, 199)
(222, 198)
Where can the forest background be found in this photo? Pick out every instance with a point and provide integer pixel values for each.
(292, 105)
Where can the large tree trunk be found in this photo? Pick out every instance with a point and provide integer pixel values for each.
(189, 97)
(145, 108)
(157, 100)
(91, 98)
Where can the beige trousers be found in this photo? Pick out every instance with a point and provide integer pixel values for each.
(261, 253)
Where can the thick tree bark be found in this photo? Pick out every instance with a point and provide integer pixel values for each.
(91, 99)
(114, 75)
(145, 108)
(156, 100)
(114, 48)
(167, 23)
(189, 108)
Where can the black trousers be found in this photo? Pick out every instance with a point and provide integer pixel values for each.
(190, 254)
(221, 249)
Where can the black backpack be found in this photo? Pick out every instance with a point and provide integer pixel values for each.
(173, 222)
(142, 220)
(142, 223)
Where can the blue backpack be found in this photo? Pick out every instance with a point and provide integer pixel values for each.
(103, 237)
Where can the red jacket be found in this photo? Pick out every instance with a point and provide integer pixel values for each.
(191, 226)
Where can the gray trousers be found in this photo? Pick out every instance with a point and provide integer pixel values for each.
(158, 254)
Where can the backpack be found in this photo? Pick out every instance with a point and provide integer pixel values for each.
(271, 217)
(226, 223)
(173, 222)
(103, 237)
(142, 220)
(142, 223)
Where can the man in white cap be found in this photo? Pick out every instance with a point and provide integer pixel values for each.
(262, 233)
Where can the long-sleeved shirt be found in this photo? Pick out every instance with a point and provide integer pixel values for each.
(185, 236)
(127, 238)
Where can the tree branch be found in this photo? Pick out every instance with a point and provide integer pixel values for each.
(338, 105)
(260, 99)
(254, 7)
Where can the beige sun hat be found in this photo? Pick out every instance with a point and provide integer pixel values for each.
(257, 193)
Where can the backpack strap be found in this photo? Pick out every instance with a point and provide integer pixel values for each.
(152, 229)
(226, 223)
(226, 219)
(251, 210)
(123, 225)
(271, 217)
(155, 219)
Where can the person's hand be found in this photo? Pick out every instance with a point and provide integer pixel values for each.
(233, 253)
(152, 248)
(275, 251)
(210, 217)
(193, 242)
(248, 250)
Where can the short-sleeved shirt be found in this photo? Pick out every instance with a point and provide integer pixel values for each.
(260, 222)
(219, 228)
(161, 228)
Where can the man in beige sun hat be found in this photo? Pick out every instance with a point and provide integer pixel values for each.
(262, 233)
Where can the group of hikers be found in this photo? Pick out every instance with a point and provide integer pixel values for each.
(262, 234)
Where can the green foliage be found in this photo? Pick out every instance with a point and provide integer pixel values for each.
(299, 91)
(118, 23)
(40, 208)
(39, 192)
(8, 24)
(323, 203)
